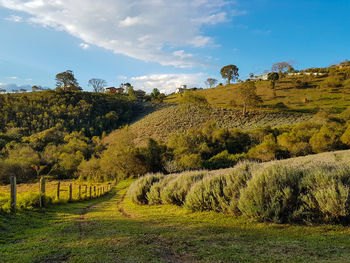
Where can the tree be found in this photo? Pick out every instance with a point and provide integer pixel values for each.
(281, 67)
(251, 75)
(229, 72)
(210, 82)
(36, 88)
(2, 90)
(273, 78)
(131, 93)
(66, 81)
(248, 95)
(23, 90)
(97, 84)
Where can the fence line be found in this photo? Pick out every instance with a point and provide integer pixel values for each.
(42, 192)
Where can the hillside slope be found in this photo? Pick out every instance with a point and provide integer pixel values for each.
(172, 119)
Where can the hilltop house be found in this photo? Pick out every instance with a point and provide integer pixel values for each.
(182, 89)
(263, 76)
(114, 90)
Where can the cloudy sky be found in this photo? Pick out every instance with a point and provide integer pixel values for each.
(165, 43)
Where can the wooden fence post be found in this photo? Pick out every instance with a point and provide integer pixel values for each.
(58, 190)
(41, 192)
(79, 193)
(70, 192)
(95, 190)
(90, 191)
(13, 193)
(86, 191)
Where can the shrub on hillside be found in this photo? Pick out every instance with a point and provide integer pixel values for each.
(176, 190)
(327, 138)
(236, 181)
(223, 160)
(267, 150)
(345, 138)
(272, 194)
(219, 193)
(153, 196)
(208, 194)
(139, 189)
(325, 196)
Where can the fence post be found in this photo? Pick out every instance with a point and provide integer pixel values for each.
(58, 190)
(13, 193)
(70, 192)
(95, 190)
(41, 192)
(79, 193)
(85, 190)
(90, 191)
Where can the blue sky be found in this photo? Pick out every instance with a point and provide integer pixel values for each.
(162, 43)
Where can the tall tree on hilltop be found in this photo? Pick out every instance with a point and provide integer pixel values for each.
(66, 81)
(229, 72)
(97, 84)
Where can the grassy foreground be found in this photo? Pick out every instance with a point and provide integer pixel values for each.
(113, 229)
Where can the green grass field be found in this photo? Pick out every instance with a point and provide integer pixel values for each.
(287, 92)
(113, 229)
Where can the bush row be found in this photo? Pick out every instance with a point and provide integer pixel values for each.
(277, 193)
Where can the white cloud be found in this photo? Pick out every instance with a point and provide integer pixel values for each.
(122, 77)
(13, 77)
(167, 83)
(14, 18)
(84, 45)
(149, 30)
(130, 21)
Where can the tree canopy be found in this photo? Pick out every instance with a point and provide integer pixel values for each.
(66, 81)
(229, 72)
(97, 84)
(211, 82)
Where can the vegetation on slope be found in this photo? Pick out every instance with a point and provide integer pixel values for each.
(211, 147)
(277, 192)
(92, 113)
(167, 121)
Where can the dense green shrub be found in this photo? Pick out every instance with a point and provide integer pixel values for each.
(208, 194)
(139, 189)
(235, 181)
(176, 190)
(153, 196)
(219, 193)
(325, 196)
(223, 160)
(271, 194)
(267, 150)
(296, 141)
(327, 138)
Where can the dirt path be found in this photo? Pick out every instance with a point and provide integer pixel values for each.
(89, 223)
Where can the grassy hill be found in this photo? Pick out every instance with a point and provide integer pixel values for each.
(328, 91)
(171, 119)
(296, 98)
